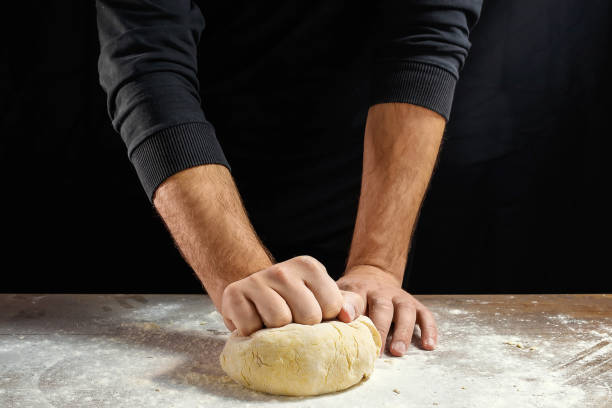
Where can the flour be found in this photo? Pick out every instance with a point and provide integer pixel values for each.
(566, 320)
(158, 353)
(457, 312)
(600, 335)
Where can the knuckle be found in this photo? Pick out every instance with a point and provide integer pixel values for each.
(406, 304)
(403, 333)
(381, 303)
(231, 291)
(256, 280)
(306, 259)
(427, 316)
(279, 273)
(312, 318)
(311, 263)
(430, 327)
(349, 286)
(230, 307)
(418, 304)
(331, 310)
(279, 320)
(248, 328)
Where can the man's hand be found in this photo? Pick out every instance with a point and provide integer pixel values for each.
(202, 209)
(400, 148)
(298, 290)
(380, 295)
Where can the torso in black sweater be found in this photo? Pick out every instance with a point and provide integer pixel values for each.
(284, 89)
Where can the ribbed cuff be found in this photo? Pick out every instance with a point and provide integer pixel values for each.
(416, 83)
(174, 149)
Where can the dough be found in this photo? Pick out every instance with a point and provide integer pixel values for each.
(299, 359)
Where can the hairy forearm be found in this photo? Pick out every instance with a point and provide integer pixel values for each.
(202, 209)
(401, 144)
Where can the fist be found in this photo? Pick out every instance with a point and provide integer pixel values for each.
(298, 290)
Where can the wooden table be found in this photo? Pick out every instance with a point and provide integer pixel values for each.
(162, 350)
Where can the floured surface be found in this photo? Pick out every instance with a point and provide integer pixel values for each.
(162, 350)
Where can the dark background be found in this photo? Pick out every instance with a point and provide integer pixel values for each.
(517, 203)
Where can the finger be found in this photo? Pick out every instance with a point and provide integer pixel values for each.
(322, 286)
(380, 310)
(305, 308)
(229, 324)
(404, 319)
(352, 307)
(271, 307)
(429, 329)
(240, 311)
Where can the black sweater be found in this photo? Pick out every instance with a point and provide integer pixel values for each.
(278, 81)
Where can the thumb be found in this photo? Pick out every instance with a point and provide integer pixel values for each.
(352, 307)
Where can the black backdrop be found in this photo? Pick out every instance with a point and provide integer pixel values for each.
(516, 204)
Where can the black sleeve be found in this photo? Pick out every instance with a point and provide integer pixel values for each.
(148, 68)
(420, 49)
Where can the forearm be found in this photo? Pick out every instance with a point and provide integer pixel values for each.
(203, 211)
(401, 144)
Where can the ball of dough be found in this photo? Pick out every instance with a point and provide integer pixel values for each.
(299, 359)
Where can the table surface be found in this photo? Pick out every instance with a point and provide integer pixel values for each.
(163, 350)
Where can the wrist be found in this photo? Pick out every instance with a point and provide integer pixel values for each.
(367, 252)
(202, 209)
(369, 271)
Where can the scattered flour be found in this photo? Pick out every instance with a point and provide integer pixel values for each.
(164, 356)
(457, 312)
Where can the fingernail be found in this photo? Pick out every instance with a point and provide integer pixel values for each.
(428, 342)
(350, 310)
(399, 347)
